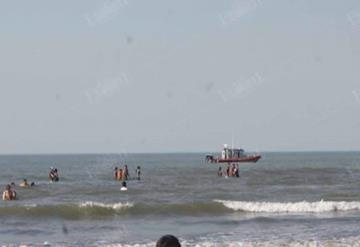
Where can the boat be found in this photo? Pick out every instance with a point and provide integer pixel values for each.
(233, 155)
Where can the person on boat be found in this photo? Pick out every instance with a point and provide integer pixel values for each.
(24, 184)
(168, 241)
(126, 172)
(9, 194)
(116, 173)
(124, 186)
(220, 173)
(138, 172)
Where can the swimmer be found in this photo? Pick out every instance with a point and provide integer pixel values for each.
(138, 172)
(124, 187)
(24, 184)
(168, 241)
(9, 194)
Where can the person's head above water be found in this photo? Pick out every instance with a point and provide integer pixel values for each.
(124, 184)
(168, 241)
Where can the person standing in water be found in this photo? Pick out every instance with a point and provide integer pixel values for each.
(120, 174)
(126, 172)
(220, 173)
(54, 175)
(237, 171)
(228, 171)
(9, 194)
(138, 172)
(116, 173)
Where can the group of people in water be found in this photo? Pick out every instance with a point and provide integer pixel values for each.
(10, 194)
(123, 173)
(231, 171)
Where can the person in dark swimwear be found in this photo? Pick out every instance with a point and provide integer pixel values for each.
(123, 186)
(54, 175)
(233, 170)
(168, 241)
(220, 173)
(138, 172)
(237, 171)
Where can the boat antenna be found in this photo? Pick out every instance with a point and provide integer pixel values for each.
(232, 139)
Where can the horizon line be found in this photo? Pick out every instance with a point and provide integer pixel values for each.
(176, 152)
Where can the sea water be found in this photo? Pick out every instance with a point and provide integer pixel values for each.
(286, 199)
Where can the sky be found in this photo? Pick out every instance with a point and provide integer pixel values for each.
(125, 76)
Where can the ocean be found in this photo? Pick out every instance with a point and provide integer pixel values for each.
(286, 199)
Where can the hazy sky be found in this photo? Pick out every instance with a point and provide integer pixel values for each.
(161, 76)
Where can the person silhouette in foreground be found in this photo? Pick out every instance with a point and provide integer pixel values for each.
(168, 241)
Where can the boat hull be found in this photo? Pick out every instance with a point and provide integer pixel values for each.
(246, 159)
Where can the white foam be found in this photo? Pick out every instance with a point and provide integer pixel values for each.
(115, 206)
(232, 243)
(291, 207)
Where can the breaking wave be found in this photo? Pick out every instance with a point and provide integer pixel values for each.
(291, 207)
(91, 209)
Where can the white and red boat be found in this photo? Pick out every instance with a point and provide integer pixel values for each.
(233, 155)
